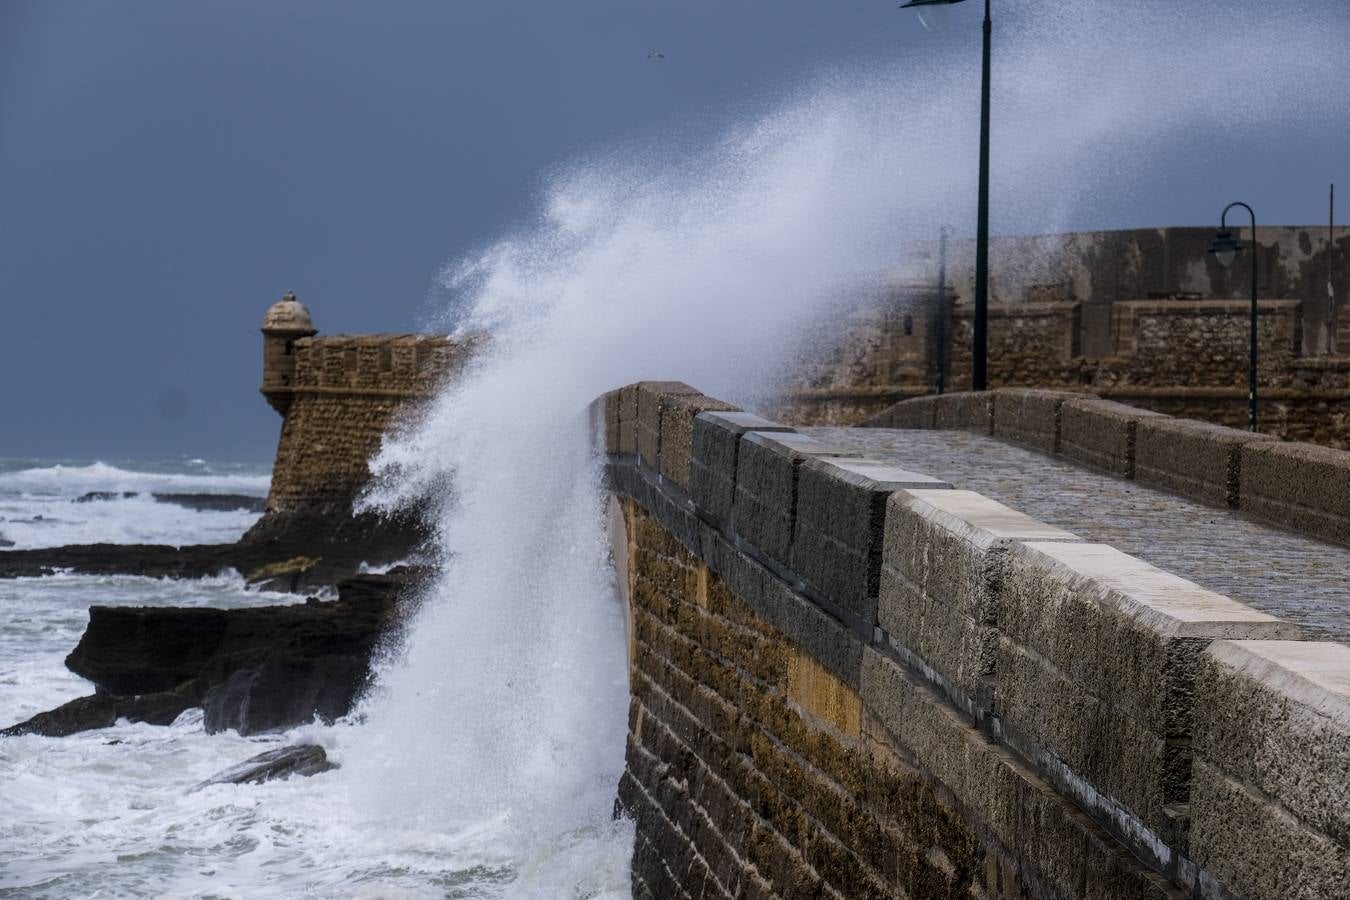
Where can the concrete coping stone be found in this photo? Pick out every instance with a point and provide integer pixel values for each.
(1162, 601)
(1315, 674)
(794, 445)
(1206, 429)
(741, 422)
(981, 520)
(1112, 409)
(874, 475)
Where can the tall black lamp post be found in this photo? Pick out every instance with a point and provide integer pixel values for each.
(929, 12)
(1225, 248)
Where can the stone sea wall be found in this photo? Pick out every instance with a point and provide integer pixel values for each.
(1180, 357)
(849, 680)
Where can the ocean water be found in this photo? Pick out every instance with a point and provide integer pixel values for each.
(110, 813)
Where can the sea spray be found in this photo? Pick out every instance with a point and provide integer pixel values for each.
(507, 703)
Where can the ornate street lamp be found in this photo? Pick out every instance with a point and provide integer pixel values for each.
(930, 14)
(1225, 249)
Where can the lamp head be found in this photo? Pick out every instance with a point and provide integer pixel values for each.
(932, 13)
(1225, 247)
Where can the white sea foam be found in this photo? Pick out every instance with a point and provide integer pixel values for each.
(38, 508)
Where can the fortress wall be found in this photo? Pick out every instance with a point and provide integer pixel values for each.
(347, 391)
(849, 680)
(1185, 358)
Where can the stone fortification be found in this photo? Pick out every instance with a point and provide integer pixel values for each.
(853, 680)
(339, 396)
(1144, 317)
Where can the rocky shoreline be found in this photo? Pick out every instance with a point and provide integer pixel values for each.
(252, 670)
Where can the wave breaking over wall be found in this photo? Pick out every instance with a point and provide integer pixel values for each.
(507, 701)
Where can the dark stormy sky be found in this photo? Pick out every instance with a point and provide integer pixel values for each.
(168, 169)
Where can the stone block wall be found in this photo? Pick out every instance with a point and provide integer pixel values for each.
(1182, 357)
(850, 681)
(1301, 487)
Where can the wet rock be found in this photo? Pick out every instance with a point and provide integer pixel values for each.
(298, 759)
(253, 670)
(214, 502)
(102, 710)
(99, 496)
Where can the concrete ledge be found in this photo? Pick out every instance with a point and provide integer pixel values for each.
(965, 411)
(841, 514)
(677, 432)
(765, 512)
(1101, 433)
(916, 413)
(1029, 416)
(1096, 664)
(650, 395)
(1275, 716)
(1069, 854)
(712, 470)
(942, 561)
(1299, 486)
(1195, 459)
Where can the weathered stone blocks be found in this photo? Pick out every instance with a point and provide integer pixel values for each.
(712, 471)
(916, 413)
(1096, 664)
(766, 488)
(1195, 459)
(1031, 417)
(1101, 433)
(1301, 486)
(942, 564)
(650, 397)
(965, 411)
(1273, 724)
(678, 412)
(1043, 832)
(841, 514)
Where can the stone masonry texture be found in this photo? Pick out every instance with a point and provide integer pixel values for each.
(1025, 711)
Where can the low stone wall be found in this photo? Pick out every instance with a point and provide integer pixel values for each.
(850, 680)
(1301, 487)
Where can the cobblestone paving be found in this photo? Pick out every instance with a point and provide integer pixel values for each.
(1299, 579)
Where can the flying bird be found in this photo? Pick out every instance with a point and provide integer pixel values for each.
(656, 54)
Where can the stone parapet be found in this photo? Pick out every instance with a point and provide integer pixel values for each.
(851, 681)
(1298, 486)
(1101, 433)
(1195, 459)
(1273, 721)
(1096, 663)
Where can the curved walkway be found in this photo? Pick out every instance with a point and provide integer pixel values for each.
(1300, 579)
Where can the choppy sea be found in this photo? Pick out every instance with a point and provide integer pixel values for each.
(109, 813)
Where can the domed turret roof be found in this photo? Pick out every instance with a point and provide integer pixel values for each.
(287, 314)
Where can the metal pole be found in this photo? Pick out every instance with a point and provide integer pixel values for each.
(942, 309)
(979, 372)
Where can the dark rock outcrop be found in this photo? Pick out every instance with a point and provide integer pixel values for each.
(252, 670)
(298, 759)
(102, 710)
(214, 502)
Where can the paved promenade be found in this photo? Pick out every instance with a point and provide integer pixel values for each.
(1299, 579)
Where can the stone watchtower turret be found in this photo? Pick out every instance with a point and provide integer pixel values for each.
(285, 323)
